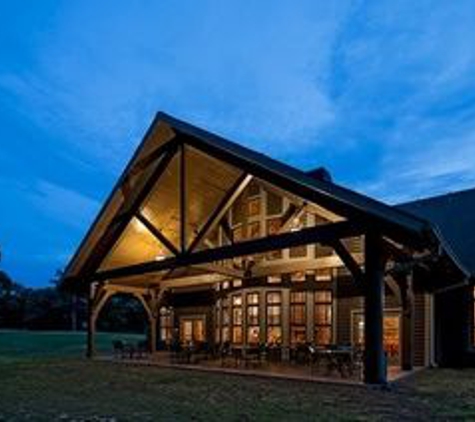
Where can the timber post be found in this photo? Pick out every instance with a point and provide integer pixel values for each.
(375, 370)
(91, 322)
(407, 326)
(98, 296)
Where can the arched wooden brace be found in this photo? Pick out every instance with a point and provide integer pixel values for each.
(98, 297)
(100, 294)
(404, 282)
(151, 303)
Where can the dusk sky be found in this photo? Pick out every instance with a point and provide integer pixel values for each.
(381, 93)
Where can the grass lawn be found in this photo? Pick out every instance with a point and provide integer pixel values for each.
(44, 377)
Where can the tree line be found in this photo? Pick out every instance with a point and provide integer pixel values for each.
(52, 308)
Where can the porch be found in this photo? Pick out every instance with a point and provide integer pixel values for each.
(310, 371)
(275, 253)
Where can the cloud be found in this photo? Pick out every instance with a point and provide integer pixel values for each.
(63, 205)
(255, 74)
(402, 91)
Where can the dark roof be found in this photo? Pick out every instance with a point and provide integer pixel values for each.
(321, 191)
(453, 214)
(320, 173)
(393, 222)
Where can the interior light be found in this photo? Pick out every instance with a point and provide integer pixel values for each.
(139, 226)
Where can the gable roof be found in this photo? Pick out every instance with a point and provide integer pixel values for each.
(361, 209)
(453, 214)
(336, 197)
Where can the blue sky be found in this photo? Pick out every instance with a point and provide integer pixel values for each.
(380, 92)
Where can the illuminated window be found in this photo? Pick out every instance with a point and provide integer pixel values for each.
(237, 319)
(273, 227)
(322, 251)
(238, 233)
(225, 319)
(323, 317)
(166, 325)
(274, 204)
(254, 207)
(298, 318)
(237, 282)
(297, 224)
(217, 319)
(323, 274)
(274, 317)
(274, 279)
(298, 277)
(254, 230)
(253, 318)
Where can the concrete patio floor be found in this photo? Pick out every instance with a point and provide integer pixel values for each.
(278, 370)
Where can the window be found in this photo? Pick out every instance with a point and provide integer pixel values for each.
(274, 204)
(253, 318)
(254, 207)
(218, 324)
(298, 318)
(273, 227)
(166, 325)
(274, 317)
(323, 317)
(238, 233)
(254, 230)
(225, 318)
(274, 279)
(253, 189)
(237, 282)
(237, 212)
(323, 274)
(298, 223)
(237, 319)
(298, 277)
(322, 251)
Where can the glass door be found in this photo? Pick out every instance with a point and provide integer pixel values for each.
(391, 333)
(192, 329)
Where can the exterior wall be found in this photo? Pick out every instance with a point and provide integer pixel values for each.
(452, 327)
(344, 308)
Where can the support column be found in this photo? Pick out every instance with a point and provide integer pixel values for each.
(375, 359)
(407, 323)
(91, 322)
(153, 334)
(150, 302)
(98, 296)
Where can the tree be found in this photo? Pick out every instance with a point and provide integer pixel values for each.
(6, 282)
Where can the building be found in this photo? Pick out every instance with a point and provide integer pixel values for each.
(222, 244)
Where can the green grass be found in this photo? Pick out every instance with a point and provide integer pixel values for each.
(44, 377)
(21, 345)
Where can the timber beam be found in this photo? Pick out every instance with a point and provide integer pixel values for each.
(318, 234)
(350, 263)
(127, 211)
(220, 211)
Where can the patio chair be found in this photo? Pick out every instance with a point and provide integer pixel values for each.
(142, 348)
(225, 352)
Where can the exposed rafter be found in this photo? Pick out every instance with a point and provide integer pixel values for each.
(319, 234)
(157, 233)
(348, 260)
(222, 208)
(221, 269)
(183, 199)
(127, 211)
